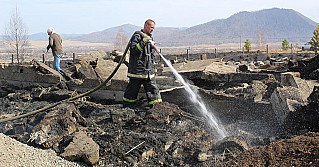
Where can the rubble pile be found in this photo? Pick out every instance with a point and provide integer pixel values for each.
(100, 134)
(109, 133)
(269, 112)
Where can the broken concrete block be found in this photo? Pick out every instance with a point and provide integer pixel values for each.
(305, 86)
(57, 95)
(147, 154)
(279, 101)
(87, 58)
(165, 80)
(85, 71)
(46, 69)
(293, 105)
(204, 156)
(48, 78)
(287, 78)
(60, 122)
(83, 148)
(104, 68)
(117, 85)
(31, 76)
(258, 90)
(51, 131)
(220, 68)
(21, 69)
(91, 83)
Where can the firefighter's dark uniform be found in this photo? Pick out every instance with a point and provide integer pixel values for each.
(141, 71)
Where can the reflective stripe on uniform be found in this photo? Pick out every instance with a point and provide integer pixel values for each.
(155, 101)
(140, 76)
(139, 47)
(128, 100)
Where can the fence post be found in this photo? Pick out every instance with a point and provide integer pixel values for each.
(12, 59)
(187, 54)
(73, 55)
(268, 54)
(215, 53)
(43, 58)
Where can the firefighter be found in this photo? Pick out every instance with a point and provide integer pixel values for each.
(141, 67)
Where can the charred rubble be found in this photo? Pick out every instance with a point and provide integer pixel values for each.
(268, 109)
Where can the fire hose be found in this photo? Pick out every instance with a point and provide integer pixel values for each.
(75, 97)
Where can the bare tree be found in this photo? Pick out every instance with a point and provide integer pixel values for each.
(260, 39)
(16, 34)
(121, 40)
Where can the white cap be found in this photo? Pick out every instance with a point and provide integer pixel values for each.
(50, 29)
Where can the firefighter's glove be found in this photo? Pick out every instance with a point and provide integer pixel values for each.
(151, 42)
(147, 39)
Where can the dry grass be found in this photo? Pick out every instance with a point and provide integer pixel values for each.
(68, 43)
(41, 45)
(227, 47)
(38, 48)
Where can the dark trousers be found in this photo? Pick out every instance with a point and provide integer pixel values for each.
(133, 87)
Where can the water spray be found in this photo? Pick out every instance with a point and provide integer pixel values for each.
(196, 99)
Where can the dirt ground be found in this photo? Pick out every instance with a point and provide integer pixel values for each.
(301, 150)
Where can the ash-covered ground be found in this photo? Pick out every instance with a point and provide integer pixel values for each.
(173, 133)
(162, 136)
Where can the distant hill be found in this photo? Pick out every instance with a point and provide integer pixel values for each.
(272, 24)
(268, 25)
(44, 36)
(38, 36)
(109, 35)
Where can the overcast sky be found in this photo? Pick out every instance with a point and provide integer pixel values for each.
(86, 16)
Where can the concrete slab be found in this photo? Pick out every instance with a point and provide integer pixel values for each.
(29, 75)
(293, 79)
(190, 66)
(104, 68)
(281, 98)
(220, 68)
(47, 68)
